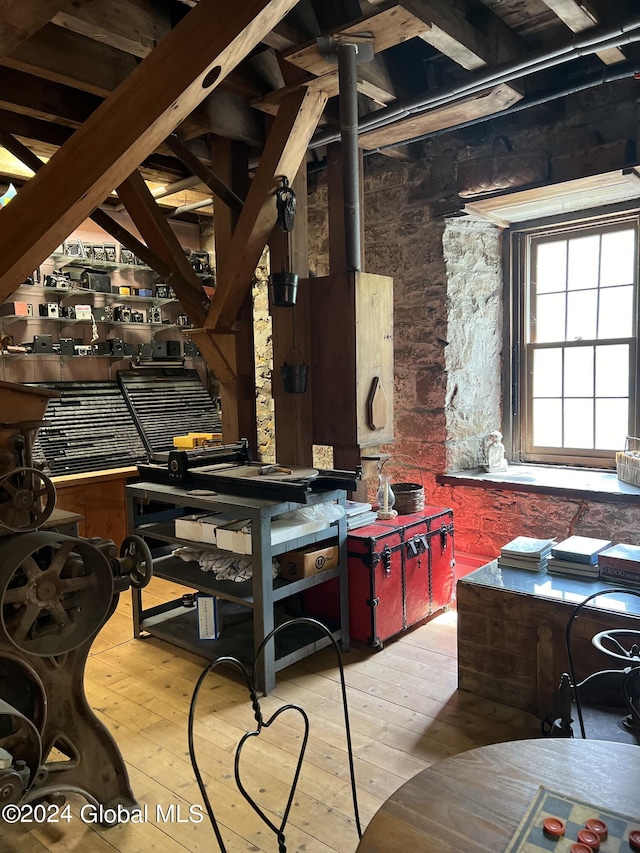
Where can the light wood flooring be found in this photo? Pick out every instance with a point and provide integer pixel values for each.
(406, 713)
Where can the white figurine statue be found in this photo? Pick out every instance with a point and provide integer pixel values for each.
(494, 458)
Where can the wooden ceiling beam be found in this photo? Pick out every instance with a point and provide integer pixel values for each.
(128, 126)
(390, 26)
(158, 235)
(133, 26)
(22, 93)
(453, 35)
(283, 153)
(485, 103)
(20, 19)
(579, 17)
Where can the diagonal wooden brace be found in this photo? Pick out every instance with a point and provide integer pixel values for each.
(131, 123)
(283, 153)
(143, 209)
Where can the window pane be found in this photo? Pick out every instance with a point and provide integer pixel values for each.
(547, 423)
(617, 260)
(551, 267)
(616, 312)
(612, 371)
(584, 257)
(612, 424)
(578, 423)
(583, 312)
(578, 372)
(548, 325)
(547, 373)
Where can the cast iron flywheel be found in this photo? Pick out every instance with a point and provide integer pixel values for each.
(55, 592)
(27, 499)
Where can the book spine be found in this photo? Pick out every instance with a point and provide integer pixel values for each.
(613, 574)
(619, 563)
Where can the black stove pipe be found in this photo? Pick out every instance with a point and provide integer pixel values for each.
(348, 82)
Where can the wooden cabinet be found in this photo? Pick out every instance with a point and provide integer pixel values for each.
(152, 510)
(352, 374)
(100, 498)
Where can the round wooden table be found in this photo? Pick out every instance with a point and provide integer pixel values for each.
(475, 800)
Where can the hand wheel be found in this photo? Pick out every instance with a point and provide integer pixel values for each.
(136, 560)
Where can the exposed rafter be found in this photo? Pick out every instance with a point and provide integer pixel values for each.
(20, 19)
(159, 94)
(579, 17)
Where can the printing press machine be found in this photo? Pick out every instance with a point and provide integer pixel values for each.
(56, 592)
(228, 469)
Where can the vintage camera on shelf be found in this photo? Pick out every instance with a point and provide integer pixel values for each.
(102, 314)
(98, 280)
(49, 309)
(16, 309)
(127, 256)
(58, 279)
(137, 316)
(110, 252)
(165, 291)
(68, 345)
(155, 314)
(190, 349)
(74, 249)
(117, 347)
(200, 262)
(122, 313)
(183, 320)
(95, 251)
(34, 278)
(67, 312)
(83, 349)
(42, 343)
(83, 312)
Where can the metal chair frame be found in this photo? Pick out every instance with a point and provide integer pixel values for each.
(250, 679)
(633, 673)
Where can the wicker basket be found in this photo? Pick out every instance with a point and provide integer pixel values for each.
(409, 497)
(628, 462)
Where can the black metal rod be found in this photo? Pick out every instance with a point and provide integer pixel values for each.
(348, 82)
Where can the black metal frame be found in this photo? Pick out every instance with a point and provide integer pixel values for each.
(250, 679)
(633, 673)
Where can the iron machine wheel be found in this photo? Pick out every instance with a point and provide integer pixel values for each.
(55, 592)
(27, 499)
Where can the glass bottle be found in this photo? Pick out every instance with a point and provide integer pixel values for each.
(385, 496)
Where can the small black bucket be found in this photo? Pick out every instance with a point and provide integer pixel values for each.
(283, 289)
(294, 376)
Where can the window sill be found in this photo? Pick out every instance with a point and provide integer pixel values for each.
(587, 484)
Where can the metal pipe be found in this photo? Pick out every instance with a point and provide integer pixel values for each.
(609, 75)
(583, 45)
(176, 186)
(187, 208)
(348, 87)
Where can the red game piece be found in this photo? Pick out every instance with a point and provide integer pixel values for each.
(634, 839)
(590, 838)
(553, 826)
(580, 848)
(599, 826)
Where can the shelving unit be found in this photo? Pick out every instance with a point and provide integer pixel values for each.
(178, 624)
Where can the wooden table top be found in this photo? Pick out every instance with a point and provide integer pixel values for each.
(475, 800)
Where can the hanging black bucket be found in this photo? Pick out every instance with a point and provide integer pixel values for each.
(294, 376)
(283, 289)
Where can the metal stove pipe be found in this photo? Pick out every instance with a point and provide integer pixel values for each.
(348, 83)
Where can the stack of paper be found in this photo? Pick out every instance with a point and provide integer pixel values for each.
(524, 552)
(359, 514)
(577, 556)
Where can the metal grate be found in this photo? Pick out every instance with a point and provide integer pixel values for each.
(168, 402)
(90, 428)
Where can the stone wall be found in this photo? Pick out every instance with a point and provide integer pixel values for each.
(448, 313)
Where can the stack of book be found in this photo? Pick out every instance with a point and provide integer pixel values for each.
(524, 552)
(577, 556)
(359, 514)
(620, 564)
